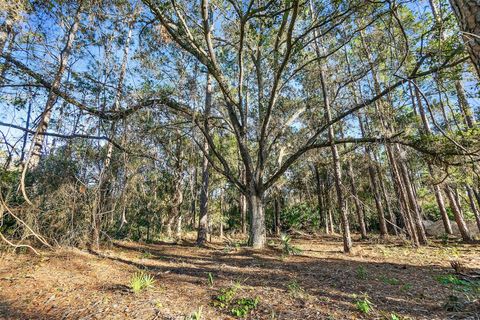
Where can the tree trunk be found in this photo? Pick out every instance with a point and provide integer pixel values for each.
(203, 214)
(105, 177)
(465, 108)
(422, 237)
(383, 189)
(473, 205)
(328, 213)
(436, 188)
(468, 17)
(178, 234)
(462, 226)
(378, 201)
(322, 215)
(258, 235)
(347, 240)
(356, 200)
(39, 136)
(399, 184)
(276, 204)
(243, 204)
(373, 184)
(441, 205)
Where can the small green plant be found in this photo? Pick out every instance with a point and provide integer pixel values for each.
(210, 280)
(287, 247)
(364, 305)
(471, 288)
(451, 279)
(406, 287)
(141, 281)
(196, 315)
(444, 239)
(146, 255)
(243, 306)
(240, 307)
(393, 316)
(453, 304)
(294, 289)
(158, 304)
(391, 281)
(226, 296)
(361, 273)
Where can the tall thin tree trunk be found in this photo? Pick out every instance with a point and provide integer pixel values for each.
(276, 205)
(243, 203)
(465, 108)
(473, 205)
(462, 226)
(105, 178)
(383, 189)
(347, 239)
(436, 187)
(39, 136)
(373, 184)
(203, 214)
(320, 205)
(422, 237)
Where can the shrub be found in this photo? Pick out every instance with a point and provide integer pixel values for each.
(294, 289)
(361, 273)
(141, 281)
(288, 249)
(238, 307)
(364, 305)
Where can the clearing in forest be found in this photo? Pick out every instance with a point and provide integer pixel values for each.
(380, 280)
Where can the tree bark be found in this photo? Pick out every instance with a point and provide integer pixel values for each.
(467, 13)
(373, 184)
(462, 226)
(465, 108)
(276, 205)
(422, 237)
(203, 214)
(39, 136)
(322, 213)
(473, 205)
(436, 187)
(258, 234)
(243, 204)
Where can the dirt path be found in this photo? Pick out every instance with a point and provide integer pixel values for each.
(321, 283)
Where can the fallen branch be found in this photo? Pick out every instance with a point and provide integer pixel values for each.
(18, 245)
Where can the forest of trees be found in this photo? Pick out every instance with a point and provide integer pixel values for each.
(130, 119)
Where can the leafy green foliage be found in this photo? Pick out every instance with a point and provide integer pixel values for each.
(243, 306)
(393, 316)
(453, 304)
(364, 305)
(238, 307)
(210, 280)
(287, 247)
(469, 288)
(146, 255)
(141, 281)
(300, 216)
(361, 273)
(391, 281)
(226, 296)
(294, 289)
(196, 315)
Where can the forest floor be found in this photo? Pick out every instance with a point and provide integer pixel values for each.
(321, 282)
